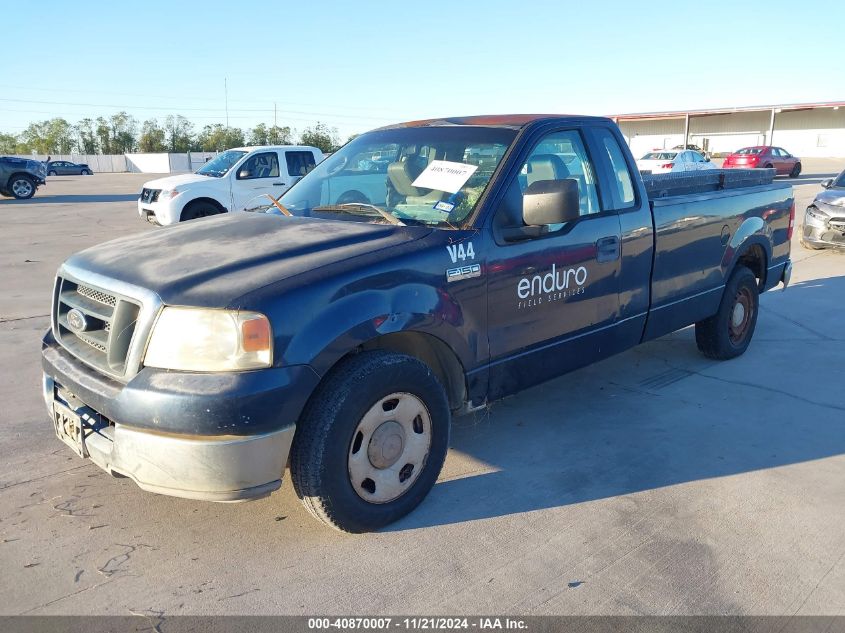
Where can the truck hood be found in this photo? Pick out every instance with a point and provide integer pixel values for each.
(170, 182)
(213, 261)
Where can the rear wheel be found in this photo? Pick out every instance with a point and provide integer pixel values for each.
(22, 187)
(795, 171)
(728, 333)
(51, 173)
(371, 442)
(199, 209)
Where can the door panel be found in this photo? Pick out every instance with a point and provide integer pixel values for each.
(552, 300)
(257, 177)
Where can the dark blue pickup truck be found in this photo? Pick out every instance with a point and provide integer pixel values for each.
(340, 335)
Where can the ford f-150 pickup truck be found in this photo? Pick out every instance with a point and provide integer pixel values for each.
(339, 336)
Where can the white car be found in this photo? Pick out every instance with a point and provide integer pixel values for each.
(236, 180)
(664, 161)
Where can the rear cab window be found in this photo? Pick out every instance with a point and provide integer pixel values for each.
(621, 189)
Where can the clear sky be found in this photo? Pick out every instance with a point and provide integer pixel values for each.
(357, 65)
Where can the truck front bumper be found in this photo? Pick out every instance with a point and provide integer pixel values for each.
(198, 436)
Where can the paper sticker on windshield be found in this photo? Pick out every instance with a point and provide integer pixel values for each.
(444, 175)
(445, 207)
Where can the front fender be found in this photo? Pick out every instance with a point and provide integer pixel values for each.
(349, 322)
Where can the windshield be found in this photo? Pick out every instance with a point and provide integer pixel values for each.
(840, 180)
(425, 175)
(750, 150)
(221, 164)
(660, 156)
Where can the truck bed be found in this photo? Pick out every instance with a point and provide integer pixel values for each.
(699, 220)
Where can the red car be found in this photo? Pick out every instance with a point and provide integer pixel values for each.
(764, 156)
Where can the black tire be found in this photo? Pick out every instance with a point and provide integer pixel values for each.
(796, 171)
(328, 433)
(199, 209)
(22, 187)
(85, 172)
(720, 336)
(51, 173)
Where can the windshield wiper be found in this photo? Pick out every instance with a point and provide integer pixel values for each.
(349, 207)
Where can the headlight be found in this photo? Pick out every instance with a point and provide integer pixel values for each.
(815, 214)
(167, 194)
(200, 339)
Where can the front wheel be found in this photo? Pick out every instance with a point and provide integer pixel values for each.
(371, 441)
(796, 171)
(22, 187)
(728, 333)
(51, 173)
(85, 172)
(200, 209)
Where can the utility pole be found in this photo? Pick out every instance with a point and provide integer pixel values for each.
(274, 114)
(226, 97)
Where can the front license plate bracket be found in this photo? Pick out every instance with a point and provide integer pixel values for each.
(69, 428)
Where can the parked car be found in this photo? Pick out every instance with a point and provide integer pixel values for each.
(20, 177)
(765, 157)
(67, 168)
(691, 146)
(824, 219)
(666, 161)
(201, 361)
(236, 180)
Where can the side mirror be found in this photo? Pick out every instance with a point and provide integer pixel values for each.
(827, 184)
(551, 202)
(706, 159)
(244, 173)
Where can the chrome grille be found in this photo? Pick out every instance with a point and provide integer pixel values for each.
(101, 329)
(97, 295)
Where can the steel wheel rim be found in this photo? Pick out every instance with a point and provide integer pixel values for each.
(389, 448)
(21, 187)
(740, 317)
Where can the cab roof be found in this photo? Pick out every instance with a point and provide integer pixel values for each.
(513, 121)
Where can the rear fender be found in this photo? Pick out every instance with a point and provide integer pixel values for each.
(752, 232)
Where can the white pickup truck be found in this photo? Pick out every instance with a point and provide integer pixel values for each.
(236, 180)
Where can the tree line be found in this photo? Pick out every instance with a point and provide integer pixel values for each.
(120, 134)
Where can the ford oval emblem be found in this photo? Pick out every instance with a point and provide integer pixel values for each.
(76, 321)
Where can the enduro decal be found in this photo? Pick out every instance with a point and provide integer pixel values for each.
(555, 285)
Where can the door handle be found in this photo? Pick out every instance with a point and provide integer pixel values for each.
(607, 249)
(278, 184)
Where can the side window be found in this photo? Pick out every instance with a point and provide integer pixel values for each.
(559, 156)
(299, 162)
(621, 174)
(264, 165)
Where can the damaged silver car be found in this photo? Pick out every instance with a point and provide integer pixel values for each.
(824, 219)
